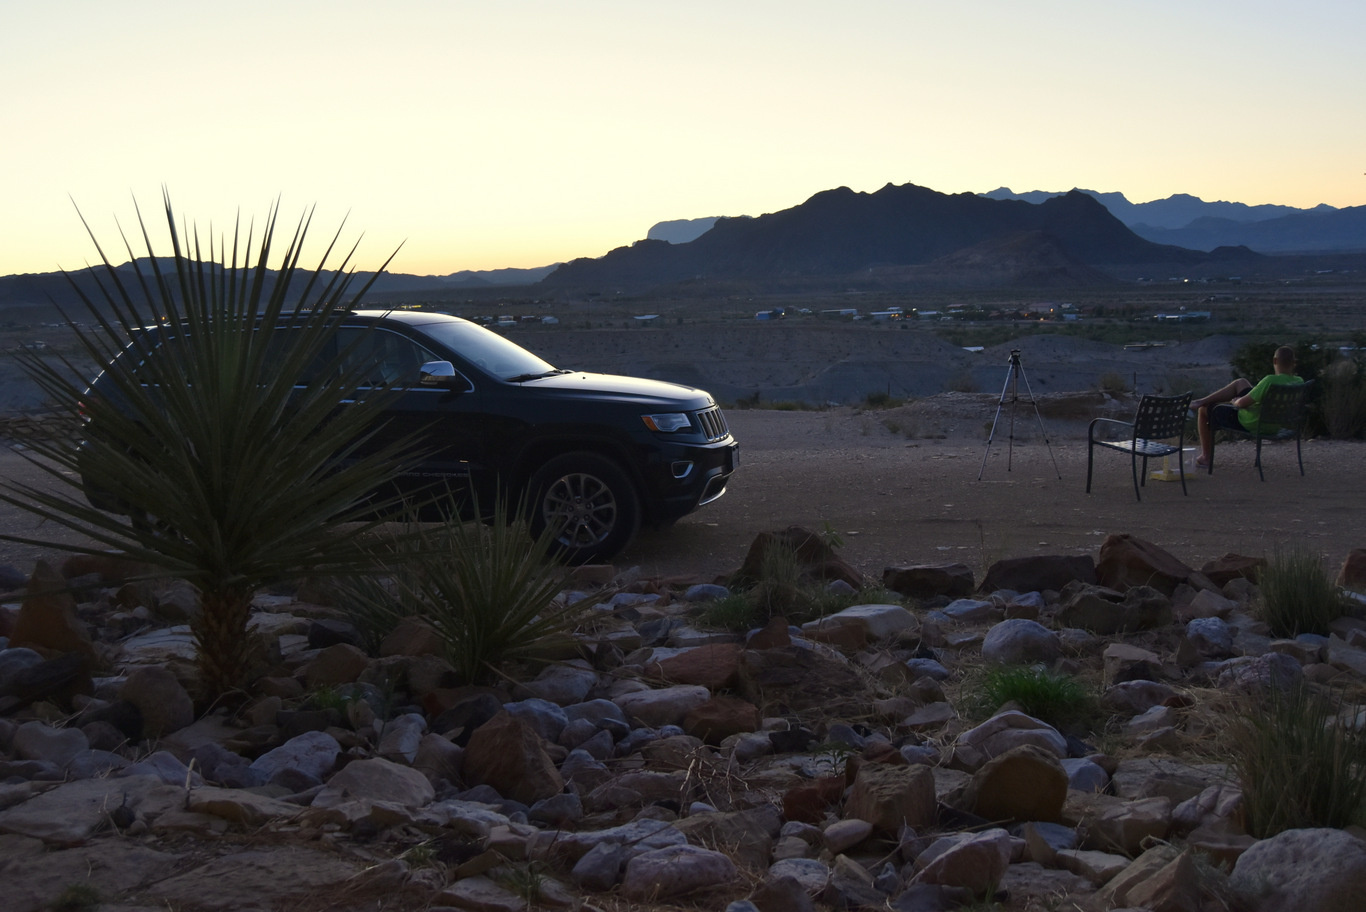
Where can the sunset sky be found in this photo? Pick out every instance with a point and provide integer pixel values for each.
(522, 133)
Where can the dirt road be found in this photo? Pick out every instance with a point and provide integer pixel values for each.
(894, 500)
(898, 500)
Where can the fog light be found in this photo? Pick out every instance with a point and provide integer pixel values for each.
(682, 468)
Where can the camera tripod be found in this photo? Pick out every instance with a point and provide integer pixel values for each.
(1014, 374)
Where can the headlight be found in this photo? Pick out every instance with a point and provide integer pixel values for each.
(668, 422)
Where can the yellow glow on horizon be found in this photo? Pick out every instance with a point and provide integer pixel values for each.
(525, 133)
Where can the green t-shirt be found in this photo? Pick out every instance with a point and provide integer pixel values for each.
(1247, 417)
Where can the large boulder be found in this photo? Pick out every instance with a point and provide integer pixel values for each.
(923, 581)
(1223, 570)
(891, 796)
(1127, 561)
(1019, 641)
(47, 619)
(1036, 574)
(1298, 870)
(506, 753)
(1105, 611)
(162, 700)
(1353, 573)
(817, 561)
(1025, 783)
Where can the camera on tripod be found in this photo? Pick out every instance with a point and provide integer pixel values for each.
(1014, 374)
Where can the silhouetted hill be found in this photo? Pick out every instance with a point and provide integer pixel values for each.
(1188, 221)
(680, 231)
(1313, 231)
(42, 290)
(844, 233)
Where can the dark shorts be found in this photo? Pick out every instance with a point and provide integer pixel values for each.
(1225, 417)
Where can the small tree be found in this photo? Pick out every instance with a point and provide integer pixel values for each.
(233, 471)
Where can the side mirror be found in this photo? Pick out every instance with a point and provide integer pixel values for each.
(443, 374)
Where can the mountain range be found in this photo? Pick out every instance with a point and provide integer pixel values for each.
(905, 235)
(1180, 219)
(912, 237)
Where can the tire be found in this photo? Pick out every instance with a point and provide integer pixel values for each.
(587, 503)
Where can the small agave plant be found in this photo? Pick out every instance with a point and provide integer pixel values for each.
(234, 472)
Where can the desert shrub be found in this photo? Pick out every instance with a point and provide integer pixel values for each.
(781, 588)
(736, 611)
(81, 897)
(237, 475)
(881, 399)
(1297, 595)
(1114, 383)
(487, 588)
(1343, 399)
(1299, 764)
(963, 382)
(1058, 699)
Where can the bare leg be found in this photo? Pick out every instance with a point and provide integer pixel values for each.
(1218, 397)
(1227, 393)
(1206, 437)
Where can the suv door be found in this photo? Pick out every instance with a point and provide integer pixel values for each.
(441, 416)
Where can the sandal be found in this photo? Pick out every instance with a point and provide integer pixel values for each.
(1201, 463)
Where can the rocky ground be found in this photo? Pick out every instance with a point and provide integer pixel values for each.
(663, 764)
(659, 764)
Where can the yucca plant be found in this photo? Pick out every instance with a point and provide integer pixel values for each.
(487, 588)
(235, 473)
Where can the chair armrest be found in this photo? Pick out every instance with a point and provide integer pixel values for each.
(1128, 426)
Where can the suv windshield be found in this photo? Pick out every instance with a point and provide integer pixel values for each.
(487, 350)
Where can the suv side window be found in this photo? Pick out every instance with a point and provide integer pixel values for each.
(389, 357)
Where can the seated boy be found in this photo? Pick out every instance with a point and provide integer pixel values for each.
(1235, 406)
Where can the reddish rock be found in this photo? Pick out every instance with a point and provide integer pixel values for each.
(796, 680)
(413, 636)
(883, 752)
(1024, 783)
(720, 717)
(1353, 573)
(818, 561)
(47, 619)
(111, 568)
(808, 802)
(1230, 567)
(1035, 574)
(590, 575)
(713, 666)
(774, 635)
(507, 754)
(339, 664)
(1127, 561)
(928, 580)
(889, 796)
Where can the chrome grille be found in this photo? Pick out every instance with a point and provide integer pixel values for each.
(713, 424)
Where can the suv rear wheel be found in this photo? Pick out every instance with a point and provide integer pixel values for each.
(587, 503)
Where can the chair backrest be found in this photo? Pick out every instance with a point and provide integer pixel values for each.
(1282, 405)
(1160, 417)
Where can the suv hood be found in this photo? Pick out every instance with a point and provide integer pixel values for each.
(647, 392)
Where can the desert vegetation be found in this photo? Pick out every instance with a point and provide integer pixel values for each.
(488, 589)
(232, 472)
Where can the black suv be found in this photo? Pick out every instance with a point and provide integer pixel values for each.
(595, 455)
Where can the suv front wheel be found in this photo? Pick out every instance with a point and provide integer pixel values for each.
(587, 503)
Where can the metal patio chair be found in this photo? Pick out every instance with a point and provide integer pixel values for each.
(1158, 429)
(1282, 407)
